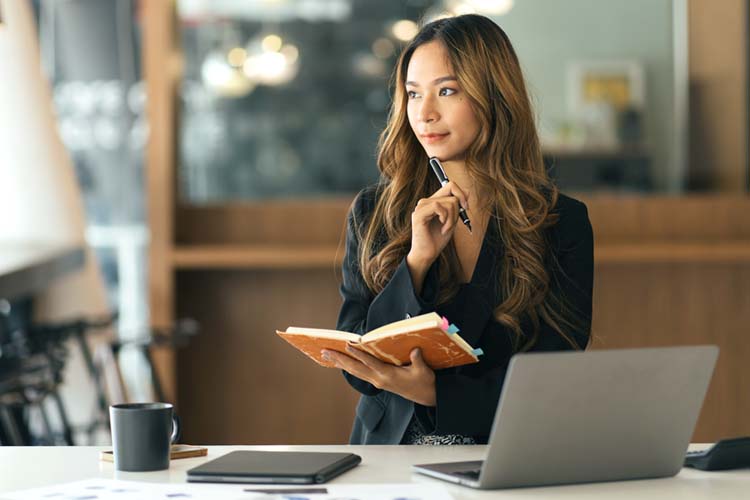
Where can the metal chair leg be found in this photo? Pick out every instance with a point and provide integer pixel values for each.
(155, 382)
(67, 431)
(8, 420)
(49, 433)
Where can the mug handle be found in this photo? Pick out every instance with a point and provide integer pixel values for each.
(176, 429)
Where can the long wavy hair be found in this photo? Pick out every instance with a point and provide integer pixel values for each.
(505, 159)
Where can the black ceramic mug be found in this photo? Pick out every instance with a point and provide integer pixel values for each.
(142, 434)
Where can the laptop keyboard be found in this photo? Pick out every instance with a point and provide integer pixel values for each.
(473, 473)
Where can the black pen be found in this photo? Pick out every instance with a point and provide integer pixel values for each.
(440, 173)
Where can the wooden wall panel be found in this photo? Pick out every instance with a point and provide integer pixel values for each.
(242, 384)
(160, 75)
(718, 58)
(640, 219)
(231, 390)
(308, 222)
(643, 305)
(616, 218)
(693, 301)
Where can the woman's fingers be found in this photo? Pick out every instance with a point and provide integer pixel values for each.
(451, 189)
(445, 208)
(447, 228)
(351, 365)
(416, 358)
(367, 359)
(433, 222)
(451, 206)
(441, 213)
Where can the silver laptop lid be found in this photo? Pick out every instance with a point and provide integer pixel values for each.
(576, 417)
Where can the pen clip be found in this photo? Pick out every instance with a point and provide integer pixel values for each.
(437, 167)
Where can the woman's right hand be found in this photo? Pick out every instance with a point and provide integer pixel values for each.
(432, 224)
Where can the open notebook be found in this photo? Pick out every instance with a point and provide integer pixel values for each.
(442, 346)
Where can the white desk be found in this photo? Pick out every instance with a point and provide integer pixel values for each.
(22, 468)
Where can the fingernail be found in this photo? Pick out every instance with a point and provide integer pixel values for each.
(325, 355)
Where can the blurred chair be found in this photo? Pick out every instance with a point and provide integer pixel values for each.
(53, 340)
(176, 337)
(32, 365)
(30, 375)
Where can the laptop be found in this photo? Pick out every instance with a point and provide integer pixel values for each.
(579, 417)
(274, 467)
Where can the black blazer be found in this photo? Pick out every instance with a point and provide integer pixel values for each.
(467, 396)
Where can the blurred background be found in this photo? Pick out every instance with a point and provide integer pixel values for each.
(175, 176)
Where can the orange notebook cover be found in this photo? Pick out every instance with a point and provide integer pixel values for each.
(441, 345)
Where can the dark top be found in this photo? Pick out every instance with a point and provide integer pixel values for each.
(467, 396)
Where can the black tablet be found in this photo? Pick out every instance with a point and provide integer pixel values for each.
(274, 467)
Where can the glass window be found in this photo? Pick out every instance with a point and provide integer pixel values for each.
(287, 98)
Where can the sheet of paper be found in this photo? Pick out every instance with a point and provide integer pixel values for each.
(109, 489)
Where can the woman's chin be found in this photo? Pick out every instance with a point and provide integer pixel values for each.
(442, 153)
(445, 154)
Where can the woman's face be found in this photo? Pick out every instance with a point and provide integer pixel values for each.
(440, 113)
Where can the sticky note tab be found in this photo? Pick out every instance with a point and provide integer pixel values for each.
(445, 324)
(477, 352)
(452, 329)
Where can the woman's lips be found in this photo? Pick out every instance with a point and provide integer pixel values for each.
(433, 138)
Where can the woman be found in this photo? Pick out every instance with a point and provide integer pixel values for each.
(521, 281)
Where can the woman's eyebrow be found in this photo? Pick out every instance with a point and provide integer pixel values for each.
(435, 81)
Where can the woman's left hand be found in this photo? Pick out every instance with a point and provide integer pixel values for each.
(415, 381)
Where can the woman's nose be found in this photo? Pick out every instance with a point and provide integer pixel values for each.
(428, 111)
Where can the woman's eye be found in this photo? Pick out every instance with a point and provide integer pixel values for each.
(411, 94)
(447, 91)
